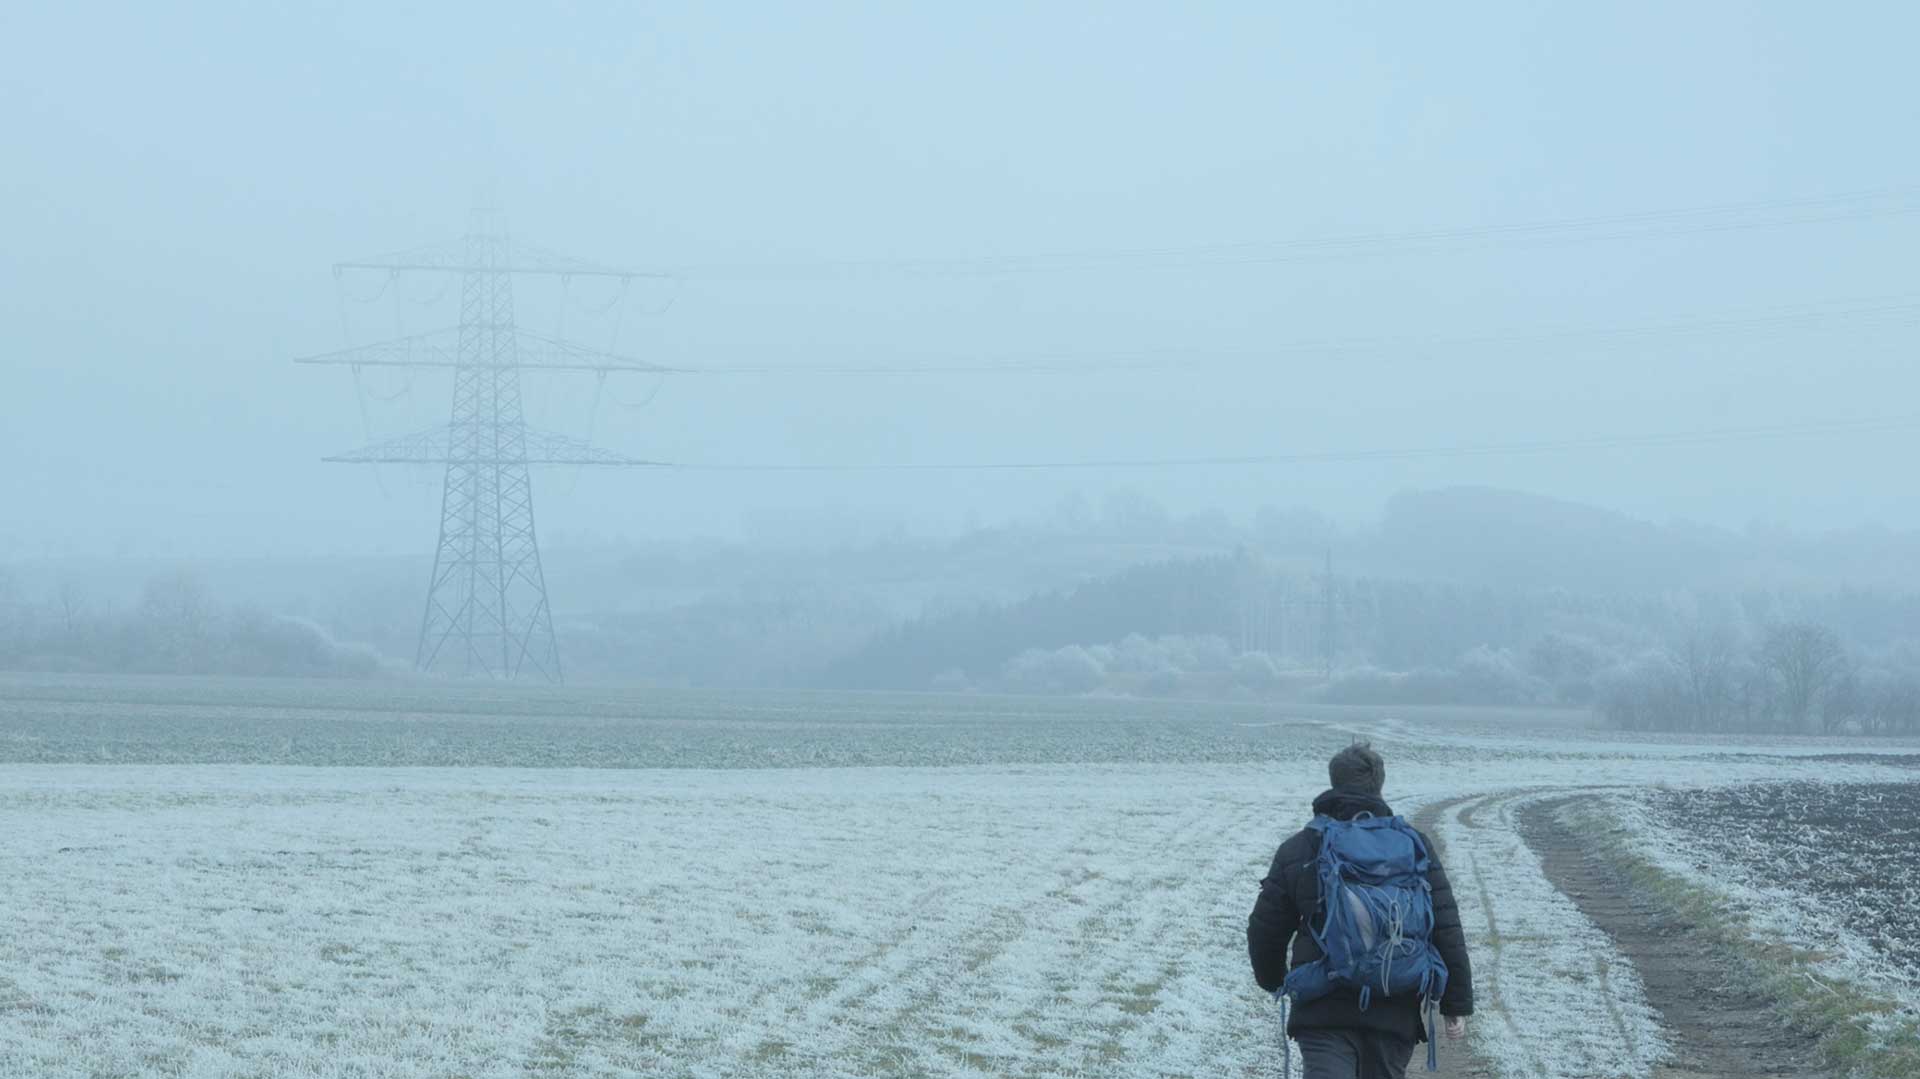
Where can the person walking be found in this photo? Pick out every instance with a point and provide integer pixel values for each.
(1360, 974)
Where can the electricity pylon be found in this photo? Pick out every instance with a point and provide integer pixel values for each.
(487, 613)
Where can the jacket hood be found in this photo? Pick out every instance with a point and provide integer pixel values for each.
(1346, 804)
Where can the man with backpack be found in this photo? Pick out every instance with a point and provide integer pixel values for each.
(1377, 943)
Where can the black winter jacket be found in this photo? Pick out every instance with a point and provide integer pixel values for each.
(1290, 895)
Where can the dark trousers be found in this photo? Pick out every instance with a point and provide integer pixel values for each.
(1347, 1053)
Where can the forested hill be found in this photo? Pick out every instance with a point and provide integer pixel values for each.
(1196, 597)
(1487, 535)
(1215, 614)
(1441, 573)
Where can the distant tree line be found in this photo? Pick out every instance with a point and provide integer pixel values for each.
(1797, 677)
(1138, 665)
(1238, 625)
(1153, 600)
(173, 628)
(720, 641)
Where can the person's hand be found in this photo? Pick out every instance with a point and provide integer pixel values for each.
(1456, 1026)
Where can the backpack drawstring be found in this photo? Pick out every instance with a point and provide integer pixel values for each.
(1396, 932)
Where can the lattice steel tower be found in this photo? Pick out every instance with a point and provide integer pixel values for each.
(487, 612)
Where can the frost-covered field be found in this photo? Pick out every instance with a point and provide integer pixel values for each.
(263, 921)
(1022, 912)
(49, 720)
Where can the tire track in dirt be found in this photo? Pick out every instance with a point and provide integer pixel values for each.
(1717, 1028)
(1557, 1001)
(1462, 1059)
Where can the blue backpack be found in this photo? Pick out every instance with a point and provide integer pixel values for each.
(1375, 923)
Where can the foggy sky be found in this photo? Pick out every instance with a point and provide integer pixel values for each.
(180, 179)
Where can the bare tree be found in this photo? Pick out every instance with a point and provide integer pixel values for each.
(1708, 659)
(1647, 694)
(72, 600)
(1844, 701)
(1894, 706)
(1753, 705)
(15, 615)
(1804, 660)
(178, 621)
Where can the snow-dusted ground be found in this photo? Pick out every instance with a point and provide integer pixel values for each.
(978, 920)
(248, 921)
(1539, 961)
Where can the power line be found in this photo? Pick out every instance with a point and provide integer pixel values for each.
(1723, 217)
(541, 353)
(1773, 432)
(1785, 318)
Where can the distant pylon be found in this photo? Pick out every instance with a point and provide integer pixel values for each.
(487, 612)
(488, 593)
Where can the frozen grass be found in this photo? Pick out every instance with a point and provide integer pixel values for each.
(91, 720)
(261, 921)
(1034, 915)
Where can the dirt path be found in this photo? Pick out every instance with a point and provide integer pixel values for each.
(1717, 1028)
(1458, 1059)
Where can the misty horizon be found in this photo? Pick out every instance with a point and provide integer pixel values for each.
(856, 539)
(173, 249)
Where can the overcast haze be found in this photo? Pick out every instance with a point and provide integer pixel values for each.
(180, 180)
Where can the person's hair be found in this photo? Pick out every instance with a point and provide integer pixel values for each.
(1358, 768)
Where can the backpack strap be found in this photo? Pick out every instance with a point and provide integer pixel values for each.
(1422, 850)
(1433, 1041)
(1326, 870)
